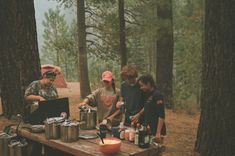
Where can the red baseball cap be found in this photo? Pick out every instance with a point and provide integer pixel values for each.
(107, 76)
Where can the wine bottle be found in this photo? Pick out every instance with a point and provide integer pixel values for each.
(137, 134)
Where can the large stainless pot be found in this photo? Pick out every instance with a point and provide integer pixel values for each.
(17, 148)
(69, 131)
(52, 127)
(4, 141)
(88, 117)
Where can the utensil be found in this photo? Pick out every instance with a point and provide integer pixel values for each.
(100, 137)
(103, 131)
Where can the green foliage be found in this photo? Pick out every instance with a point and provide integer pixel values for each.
(59, 47)
(97, 66)
(187, 52)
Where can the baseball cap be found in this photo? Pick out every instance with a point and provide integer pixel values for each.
(49, 74)
(107, 76)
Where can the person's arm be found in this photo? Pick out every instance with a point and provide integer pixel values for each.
(89, 99)
(161, 116)
(31, 93)
(84, 102)
(34, 98)
(120, 103)
(116, 109)
(135, 118)
(159, 127)
(110, 117)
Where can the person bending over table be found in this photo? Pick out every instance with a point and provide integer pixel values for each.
(154, 111)
(41, 90)
(131, 95)
(105, 100)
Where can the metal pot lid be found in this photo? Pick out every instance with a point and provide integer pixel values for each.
(54, 120)
(88, 136)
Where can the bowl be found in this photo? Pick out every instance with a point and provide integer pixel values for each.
(110, 146)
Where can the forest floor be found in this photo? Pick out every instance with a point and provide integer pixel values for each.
(181, 127)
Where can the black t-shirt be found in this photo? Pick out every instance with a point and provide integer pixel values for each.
(133, 99)
(153, 109)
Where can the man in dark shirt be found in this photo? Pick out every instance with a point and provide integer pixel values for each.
(154, 112)
(130, 94)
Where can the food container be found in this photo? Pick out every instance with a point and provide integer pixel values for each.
(87, 116)
(17, 148)
(127, 132)
(110, 146)
(69, 131)
(52, 127)
(4, 141)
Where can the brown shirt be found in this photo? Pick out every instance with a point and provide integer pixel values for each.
(105, 101)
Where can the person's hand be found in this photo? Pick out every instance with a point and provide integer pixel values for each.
(110, 118)
(63, 115)
(158, 138)
(82, 104)
(119, 104)
(135, 118)
(40, 98)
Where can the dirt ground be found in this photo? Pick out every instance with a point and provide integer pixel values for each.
(181, 127)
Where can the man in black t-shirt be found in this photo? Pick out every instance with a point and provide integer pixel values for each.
(131, 94)
(154, 112)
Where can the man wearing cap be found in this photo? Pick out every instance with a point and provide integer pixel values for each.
(42, 89)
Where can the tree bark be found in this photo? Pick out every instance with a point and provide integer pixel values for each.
(122, 33)
(84, 79)
(216, 135)
(19, 58)
(165, 48)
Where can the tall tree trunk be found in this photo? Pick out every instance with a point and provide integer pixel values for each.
(165, 48)
(19, 58)
(84, 79)
(122, 33)
(216, 135)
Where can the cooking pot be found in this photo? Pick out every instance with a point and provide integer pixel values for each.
(17, 148)
(69, 131)
(52, 127)
(4, 141)
(87, 116)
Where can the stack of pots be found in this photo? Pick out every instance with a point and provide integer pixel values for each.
(69, 131)
(52, 127)
(18, 148)
(88, 117)
(4, 141)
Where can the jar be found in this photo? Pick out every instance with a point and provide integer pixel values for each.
(127, 131)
